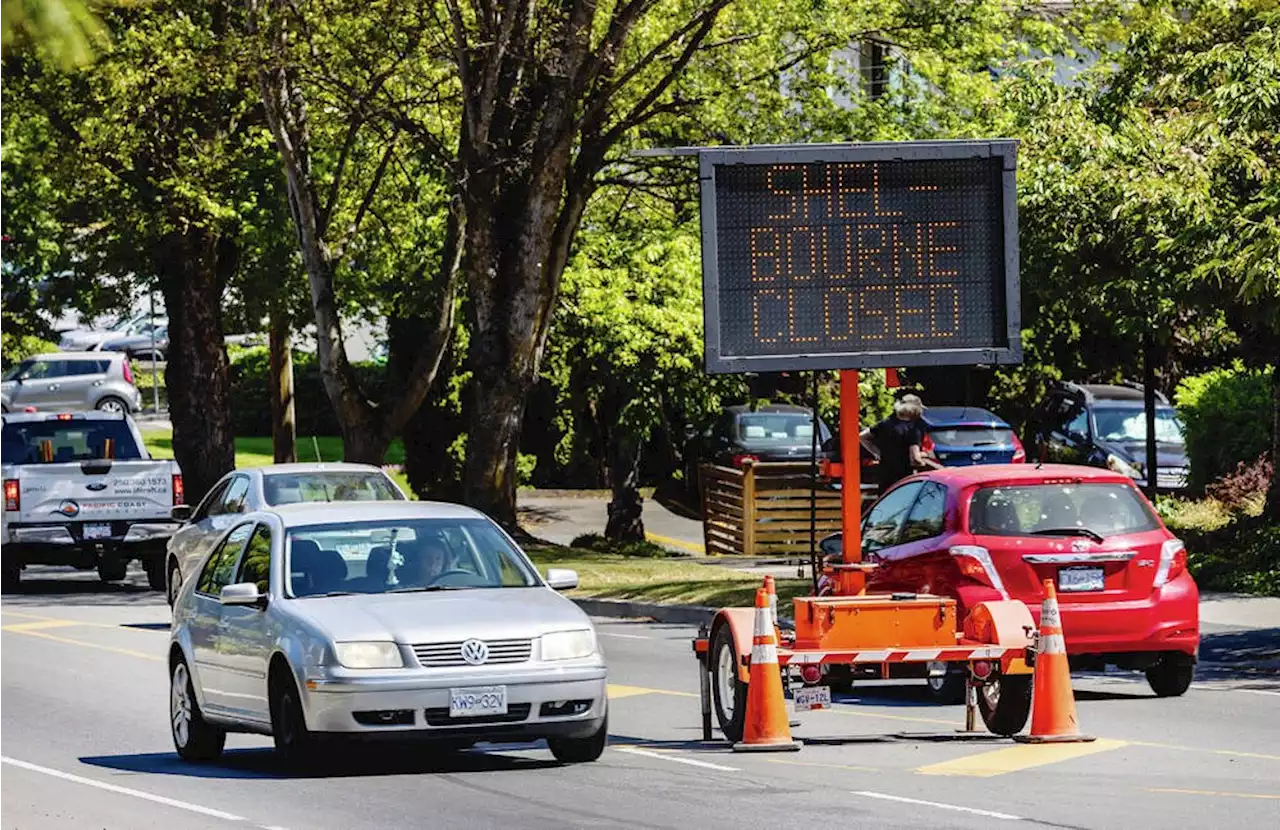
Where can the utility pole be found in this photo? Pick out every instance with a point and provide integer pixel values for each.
(155, 372)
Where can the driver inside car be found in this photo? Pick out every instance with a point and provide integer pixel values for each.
(427, 562)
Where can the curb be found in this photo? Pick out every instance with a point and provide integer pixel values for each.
(656, 611)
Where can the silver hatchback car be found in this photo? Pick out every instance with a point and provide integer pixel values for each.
(397, 620)
(71, 381)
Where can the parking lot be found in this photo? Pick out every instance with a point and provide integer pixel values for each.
(87, 744)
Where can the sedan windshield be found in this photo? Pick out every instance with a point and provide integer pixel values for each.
(1130, 424)
(1095, 511)
(294, 488)
(404, 555)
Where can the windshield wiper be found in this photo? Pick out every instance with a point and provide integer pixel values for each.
(426, 589)
(1069, 531)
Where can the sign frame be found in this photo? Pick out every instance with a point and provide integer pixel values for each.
(710, 158)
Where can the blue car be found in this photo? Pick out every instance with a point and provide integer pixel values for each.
(960, 436)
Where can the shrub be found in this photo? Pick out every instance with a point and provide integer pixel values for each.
(1227, 417)
(1245, 488)
(598, 544)
(251, 400)
(15, 348)
(1242, 556)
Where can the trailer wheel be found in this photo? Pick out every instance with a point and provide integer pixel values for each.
(728, 693)
(949, 686)
(1005, 703)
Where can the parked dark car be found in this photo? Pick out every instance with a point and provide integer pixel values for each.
(1105, 426)
(774, 432)
(140, 346)
(960, 436)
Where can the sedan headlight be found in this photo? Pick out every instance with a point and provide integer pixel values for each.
(568, 645)
(369, 655)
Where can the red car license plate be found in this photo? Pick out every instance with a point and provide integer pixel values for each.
(1080, 579)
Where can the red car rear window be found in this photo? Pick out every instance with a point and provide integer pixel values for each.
(1042, 509)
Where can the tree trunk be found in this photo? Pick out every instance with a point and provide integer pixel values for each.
(1272, 510)
(625, 523)
(284, 431)
(196, 375)
(493, 437)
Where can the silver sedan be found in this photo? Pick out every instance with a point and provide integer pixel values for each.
(381, 620)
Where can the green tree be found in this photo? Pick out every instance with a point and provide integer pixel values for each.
(149, 164)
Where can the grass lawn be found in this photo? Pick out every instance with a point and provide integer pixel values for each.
(256, 452)
(672, 581)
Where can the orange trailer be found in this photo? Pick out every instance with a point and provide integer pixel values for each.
(870, 632)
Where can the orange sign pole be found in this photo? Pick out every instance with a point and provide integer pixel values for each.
(851, 581)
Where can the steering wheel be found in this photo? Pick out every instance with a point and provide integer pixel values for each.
(442, 576)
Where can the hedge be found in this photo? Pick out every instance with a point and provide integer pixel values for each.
(1227, 414)
(251, 401)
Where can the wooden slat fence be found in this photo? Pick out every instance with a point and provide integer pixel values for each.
(763, 509)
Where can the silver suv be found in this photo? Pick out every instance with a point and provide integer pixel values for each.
(71, 381)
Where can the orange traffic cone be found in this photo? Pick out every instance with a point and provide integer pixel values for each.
(1053, 707)
(767, 725)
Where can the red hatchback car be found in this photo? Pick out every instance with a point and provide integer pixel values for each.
(995, 531)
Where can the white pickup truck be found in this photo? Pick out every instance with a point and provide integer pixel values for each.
(80, 489)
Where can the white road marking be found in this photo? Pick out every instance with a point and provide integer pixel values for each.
(676, 759)
(623, 636)
(1257, 691)
(102, 785)
(956, 807)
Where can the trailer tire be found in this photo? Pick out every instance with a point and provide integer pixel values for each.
(154, 569)
(1005, 703)
(728, 692)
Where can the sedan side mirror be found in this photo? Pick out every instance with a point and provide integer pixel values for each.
(180, 512)
(562, 579)
(242, 593)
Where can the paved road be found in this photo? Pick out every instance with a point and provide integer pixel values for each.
(86, 745)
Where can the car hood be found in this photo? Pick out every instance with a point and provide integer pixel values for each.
(1167, 455)
(443, 616)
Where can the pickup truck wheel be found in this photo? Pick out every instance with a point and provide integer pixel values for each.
(1004, 702)
(154, 569)
(112, 571)
(194, 737)
(12, 578)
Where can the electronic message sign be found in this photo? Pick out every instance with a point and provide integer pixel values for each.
(860, 255)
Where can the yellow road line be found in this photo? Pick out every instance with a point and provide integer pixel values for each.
(22, 628)
(1229, 752)
(67, 640)
(1017, 758)
(1213, 792)
(790, 763)
(692, 547)
(617, 691)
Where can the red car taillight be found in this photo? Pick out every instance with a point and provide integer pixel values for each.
(1173, 561)
(740, 460)
(12, 498)
(927, 444)
(974, 561)
(179, 493)
(1019, 452)
(128, 371)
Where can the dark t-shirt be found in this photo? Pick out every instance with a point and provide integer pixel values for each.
(894, 437)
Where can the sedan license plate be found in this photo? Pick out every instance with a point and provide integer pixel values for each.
(477, 701)
(97, 531)
(813, 697)
(1080, 579)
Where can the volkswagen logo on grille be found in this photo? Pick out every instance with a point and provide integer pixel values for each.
(475, 652)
